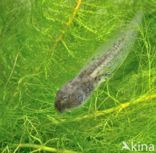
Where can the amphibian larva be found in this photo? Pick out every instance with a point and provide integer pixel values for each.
(76, 91)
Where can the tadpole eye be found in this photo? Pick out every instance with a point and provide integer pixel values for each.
(65, 98)
(80, 98)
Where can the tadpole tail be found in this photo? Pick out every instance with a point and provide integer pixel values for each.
(116, 54)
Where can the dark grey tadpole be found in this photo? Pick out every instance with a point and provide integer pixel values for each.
(76, 91)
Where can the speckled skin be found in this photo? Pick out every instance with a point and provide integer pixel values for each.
(76, 91)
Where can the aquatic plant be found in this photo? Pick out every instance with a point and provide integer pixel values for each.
(43, 44)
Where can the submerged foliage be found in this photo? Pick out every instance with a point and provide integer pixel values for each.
(43, 44)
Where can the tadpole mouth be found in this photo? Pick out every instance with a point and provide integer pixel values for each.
(58, 106)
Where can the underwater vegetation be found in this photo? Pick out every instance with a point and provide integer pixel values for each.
(46, 43)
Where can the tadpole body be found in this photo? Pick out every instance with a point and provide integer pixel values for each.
(76, 91)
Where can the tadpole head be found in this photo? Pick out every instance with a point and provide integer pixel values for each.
(68, 97)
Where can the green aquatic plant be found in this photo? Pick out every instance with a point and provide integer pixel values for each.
(44, 43)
